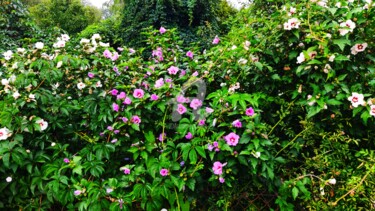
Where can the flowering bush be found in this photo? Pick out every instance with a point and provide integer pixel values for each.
(278, 105)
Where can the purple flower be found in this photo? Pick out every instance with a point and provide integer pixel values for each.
(162, 136)
(202, 122)
(168, 80)
(120, 49)
(215, 144)
(121, 96)
(124, 119)
(115, 69)
(195, 74)
(126, 171)
(158, 53)
(189, 136)
(107, 54)
(183, 72)
(216, 40)
(162, 30)
(195, 104)
(181, 109)
(232, 139)
(210, 147)
(173, 70)
(115, 56)
(114, 141)
(127, 101)
(218, 168)
(114, 92)
(182, 163)
(136, 120)
(154, 97)
(250, 111)
(221, 180)
(181, 99)
(237, 123)
(90, 75)
(190, 54)
(209, 110)
(66, 160)
(159, 83)
(115, 107)
(116, 131)
(138, 93)
(131, 50)
(77, 192)
(164, 172)
(110, 128)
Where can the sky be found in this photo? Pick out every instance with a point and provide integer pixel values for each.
(235, 3)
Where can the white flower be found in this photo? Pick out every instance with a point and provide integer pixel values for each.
(358, 48)
(292, 11)
(65, 37)
(9, 179)
(39, 45)
(109, 190)
(8, 55)
(163, 209)
(322, 191)
(347, 26)
(242, 61)
(234, 47)
(81, 85)
(59, 44)
(104, 44)
(15, 65)
(300, 58)
(332, 181)
(332, 58)
(21, 50)
(32, 97)
(4, 133)
(96, 37)
(43, 124)
(4, 82)
(256, 154)
(16, 95)
(292, 23)
(327, 67)
(84, 41)
(98, 84)
(322, 3)
(53, 144)
(59, 64)
(338, 4)
(356, 99)
(214, 122)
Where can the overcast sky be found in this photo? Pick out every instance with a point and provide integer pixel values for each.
(99, 3)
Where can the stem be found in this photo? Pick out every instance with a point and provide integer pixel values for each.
(281, 118)
(353, 189)
(178, 203)
(291, 141)
(40, 84)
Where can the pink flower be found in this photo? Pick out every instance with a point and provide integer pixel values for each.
(110, 128)
(159, 83)
(189, 136)
(115, 56)
(195, 74)
(138, 93)
(356, 99)
(173, 70)
(162, 136)
(126, 171)
(181, 99)
(107, 54)
(127, 101)
(114, 92)
(121, 96)
(183, 72)
(249, 111)
(372, 110)
(181, 109)
(218, 168)
(136, 120)
(115, 107)
(164, 172)
(210, 147)
(168, 80)
(195, 104)
(90, 75)
(154, 97)
(209, 110)
(66, 160)
(162, 30)
(158, 53)
(124, 119)
(358, 48)
(221, 180)
(216, 40)
(202, 122)
(232, 139)
(189, 54)
(77, 192)
(237, 123)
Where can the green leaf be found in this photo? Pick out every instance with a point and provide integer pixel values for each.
(6, 157)
(341, 43)
(295, 192)
(193, 156)
(150, 136)
(245, 138)
(78, 170)
(333, 102)
(201, 151)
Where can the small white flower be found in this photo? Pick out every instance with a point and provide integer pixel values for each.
(43, 124)
(59, 44)
(104, 44)
(332, 58)
(4, 133)
(96, 37)
(301, 58)
(358, 48)
(356, 99)
(39, 45)
(332, 181)
(81, 85)
(16, 95)
(98, 84)
(9, 179)
(21, 50)
(163, 209)
(256, 154)
(322, 191)
(53, 144)
(214, 122)
(233, 47)
(65, 37)
(59, 64)
(8, 55)
(347, 26)
(109, 190)
(242, 61)
(28, 151)
(84, 41)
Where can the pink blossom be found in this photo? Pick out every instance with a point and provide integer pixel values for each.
(168, 80)
(372, 110)
(181, 109)
(126, 171)
(164, 172)
(115, 107)
(107, 54)
(136, 120)
(189, 54)
(158, 53)
(127, 101)
(237, 123)
(202, 122)
(182, 73)
(173, 70)
(356, 99)
(154, 97)
(159, 83)
(216, 40)
(195, 104)
(195, 74)
(209, 110)
(218, 168)
(110, 128)
(232, 139)
(189, 136)
(90, 75)
(215, 144)
(138, 93)
(181, 99)
(162, 30)
(114, 92)
(250, 111)
(210, 147)
(115, 56)
(66, 160)
(121, 96)
(221, 180)
(124, 119)
(77, 192)
(162, 136)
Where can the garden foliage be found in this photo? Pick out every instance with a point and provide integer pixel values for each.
(283, 104)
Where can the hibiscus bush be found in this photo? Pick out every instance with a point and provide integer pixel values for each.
(283, 105)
